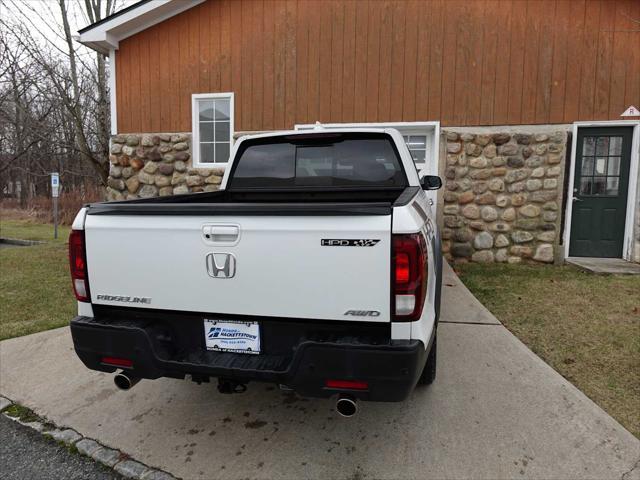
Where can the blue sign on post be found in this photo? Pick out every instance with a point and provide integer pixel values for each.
(55, 192)
(55, 184)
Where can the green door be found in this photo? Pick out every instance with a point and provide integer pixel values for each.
(603, 158)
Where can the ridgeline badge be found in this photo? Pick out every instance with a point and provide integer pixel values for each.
(122, 298)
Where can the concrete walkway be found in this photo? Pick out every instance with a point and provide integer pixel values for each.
(614, 266)
(495, 411)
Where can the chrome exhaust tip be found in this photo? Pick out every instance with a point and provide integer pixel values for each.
(125, 382)
(347, 406)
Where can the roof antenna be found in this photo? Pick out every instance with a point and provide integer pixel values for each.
(318, 126)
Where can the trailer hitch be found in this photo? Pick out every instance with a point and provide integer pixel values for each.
(229, 386)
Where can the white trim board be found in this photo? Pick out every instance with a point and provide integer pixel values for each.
(632, 190)
(112, 92)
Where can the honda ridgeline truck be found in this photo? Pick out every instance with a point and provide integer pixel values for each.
(317, 266)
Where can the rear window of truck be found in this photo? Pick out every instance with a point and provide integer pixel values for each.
(318, 160)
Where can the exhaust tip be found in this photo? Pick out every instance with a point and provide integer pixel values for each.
(346, 406)
(124, 381)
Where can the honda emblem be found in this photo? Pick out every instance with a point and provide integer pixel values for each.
(221, 265)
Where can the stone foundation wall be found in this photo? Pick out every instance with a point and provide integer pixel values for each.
(502, 195)
(150, 165)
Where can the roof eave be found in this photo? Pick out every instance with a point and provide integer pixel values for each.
(106, 34)
(100, 47)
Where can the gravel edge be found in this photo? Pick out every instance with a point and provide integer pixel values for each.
(109, 457)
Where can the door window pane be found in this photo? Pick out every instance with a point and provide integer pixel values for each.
(615, 146)
(585, 185)
(587, 166)
(602, 146)
(599, 174)
(589, 146)
(598, 186)
(601, 166)
(614, 166)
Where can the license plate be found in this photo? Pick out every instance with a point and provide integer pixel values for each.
(232, 336)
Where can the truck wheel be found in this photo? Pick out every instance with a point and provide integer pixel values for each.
(429, 372)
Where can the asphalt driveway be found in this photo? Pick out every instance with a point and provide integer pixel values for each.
(27, 454)
(495, 411)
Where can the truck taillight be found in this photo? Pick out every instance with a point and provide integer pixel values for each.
(409, 286)
(78, 264)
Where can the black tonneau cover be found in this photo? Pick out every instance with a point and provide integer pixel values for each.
(275, 203)
(270, 209)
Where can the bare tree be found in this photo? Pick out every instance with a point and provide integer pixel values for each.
(98, 159)
(54, 99)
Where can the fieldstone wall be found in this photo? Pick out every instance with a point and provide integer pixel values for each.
(502, 195)
(150, 165)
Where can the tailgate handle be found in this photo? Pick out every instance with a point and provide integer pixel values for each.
(221, 233)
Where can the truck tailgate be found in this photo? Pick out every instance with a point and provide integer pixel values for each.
(317, 267)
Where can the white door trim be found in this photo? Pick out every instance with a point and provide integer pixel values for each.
(632, 190)
(113, 97)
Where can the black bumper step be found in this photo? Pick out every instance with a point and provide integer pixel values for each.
(161, 349)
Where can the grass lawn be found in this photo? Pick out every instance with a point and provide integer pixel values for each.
(35, 288)
(586, 326)
(30, 230)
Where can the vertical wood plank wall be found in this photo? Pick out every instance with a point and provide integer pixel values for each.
(482, 62)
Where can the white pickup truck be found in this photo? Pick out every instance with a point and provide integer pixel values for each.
(317, 266)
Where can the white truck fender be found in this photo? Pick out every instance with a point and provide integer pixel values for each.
(78, 222)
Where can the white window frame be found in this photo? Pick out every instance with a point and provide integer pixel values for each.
(195, 127)
(429, 139)
(632, 190)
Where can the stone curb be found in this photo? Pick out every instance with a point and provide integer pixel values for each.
(110, 458)
(4, 403)
(131, 469)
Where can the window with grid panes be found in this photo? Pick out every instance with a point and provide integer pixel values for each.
(418, 147)
(601, 157)
(212, 129)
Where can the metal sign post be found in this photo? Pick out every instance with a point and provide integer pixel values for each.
(55, 190)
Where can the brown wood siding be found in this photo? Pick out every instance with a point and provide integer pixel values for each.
(486, 62)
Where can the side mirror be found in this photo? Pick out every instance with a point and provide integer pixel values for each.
(431, 182)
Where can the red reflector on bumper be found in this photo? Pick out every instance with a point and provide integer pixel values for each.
(118, 362)
(347, 384)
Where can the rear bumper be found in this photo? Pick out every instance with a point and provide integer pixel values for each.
(391, 368)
